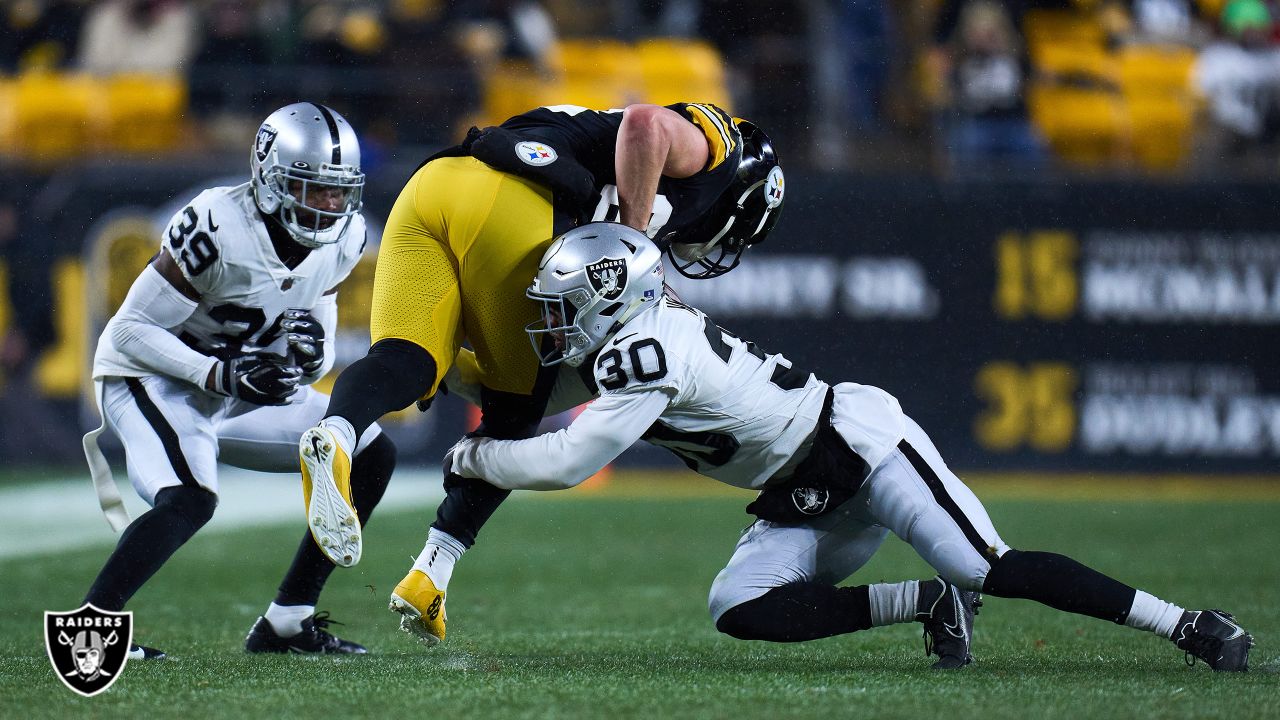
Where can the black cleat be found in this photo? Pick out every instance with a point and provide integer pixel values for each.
(142, 652)
(1214, 637)
(313, 639)
(947, 613)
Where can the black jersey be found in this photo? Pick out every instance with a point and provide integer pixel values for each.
(572, 149)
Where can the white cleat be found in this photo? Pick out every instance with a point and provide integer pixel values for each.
(326, 490)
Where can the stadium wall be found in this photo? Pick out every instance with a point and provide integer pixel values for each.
(1083, 325)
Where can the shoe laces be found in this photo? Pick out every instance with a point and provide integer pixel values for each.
(322, 621)
(1201, 645)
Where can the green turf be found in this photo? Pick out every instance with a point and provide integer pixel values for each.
(595, 607)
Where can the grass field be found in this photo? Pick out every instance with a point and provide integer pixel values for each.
(593, 605)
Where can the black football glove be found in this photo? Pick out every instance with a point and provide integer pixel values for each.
(306, 340)
(260, 379)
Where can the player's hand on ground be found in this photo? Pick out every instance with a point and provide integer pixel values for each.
(259, 379)
(305, 338)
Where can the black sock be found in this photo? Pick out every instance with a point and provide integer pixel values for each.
(469, 503)
(1061, 583)
(370, 472)
(799, 611)
(149, 542)
(390, 377)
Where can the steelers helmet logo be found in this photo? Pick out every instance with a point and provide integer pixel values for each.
(773, 188)
(535, 154)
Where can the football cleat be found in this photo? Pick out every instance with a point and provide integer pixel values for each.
(326, 490)
(947, 613)
(421, 607)
(1214, 637)
(142, 652)
(313, 640)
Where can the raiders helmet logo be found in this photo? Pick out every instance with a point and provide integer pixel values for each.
(535, 154)
(262, 145)
(809, 500)
(608, 276)
(88, 647)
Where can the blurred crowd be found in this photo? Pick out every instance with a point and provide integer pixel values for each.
(1148, 85)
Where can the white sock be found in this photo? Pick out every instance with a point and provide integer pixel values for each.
(1151, 613)
(893, 602)
(342, 429)
(438, 557)
(286, 620)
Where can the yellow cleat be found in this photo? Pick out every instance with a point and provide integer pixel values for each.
(421, 607)
(326, 490)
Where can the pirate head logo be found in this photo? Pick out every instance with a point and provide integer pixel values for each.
(262, 145)
(88, 647)
(810, 500)
(608, 276)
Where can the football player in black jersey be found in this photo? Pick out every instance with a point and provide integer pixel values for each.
(462, 241)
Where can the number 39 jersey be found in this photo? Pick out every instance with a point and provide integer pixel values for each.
(220, 243)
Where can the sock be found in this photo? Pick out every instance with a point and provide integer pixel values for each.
(286, 620)
(149, 542)
(343, 430)
(893, 603)
(1151, 613)
(438, 557)
(799, 611)
(1059, 582)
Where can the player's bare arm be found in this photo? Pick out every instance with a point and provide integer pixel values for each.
(653, 141)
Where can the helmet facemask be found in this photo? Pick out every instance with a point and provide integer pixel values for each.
(743, 216)
(316, 226)
(591, 281)
(306, 173)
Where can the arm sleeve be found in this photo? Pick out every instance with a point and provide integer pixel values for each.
(565, 458)
(139, 329)
(326, 313)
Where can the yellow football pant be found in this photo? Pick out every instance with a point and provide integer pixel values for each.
(461, 245)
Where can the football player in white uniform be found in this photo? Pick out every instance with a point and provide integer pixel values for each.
(838, 467)
(210, 356)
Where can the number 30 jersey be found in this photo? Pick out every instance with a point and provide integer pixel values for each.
(672, 377)
(220, 243)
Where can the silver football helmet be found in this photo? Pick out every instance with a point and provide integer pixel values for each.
(591, 281)
(306, 172)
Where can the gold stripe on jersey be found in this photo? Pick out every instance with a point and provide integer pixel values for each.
(712, 123)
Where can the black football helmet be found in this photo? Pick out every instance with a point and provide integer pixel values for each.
(742, 216)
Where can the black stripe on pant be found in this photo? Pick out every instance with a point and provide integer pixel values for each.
(947, 503)
(168, 436)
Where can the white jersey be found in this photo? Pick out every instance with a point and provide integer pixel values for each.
(220, 243)
(673, 377)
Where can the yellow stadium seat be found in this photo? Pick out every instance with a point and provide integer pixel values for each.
(677, 70)
(514, 88)
(144, 112)
(1162, 128)
(8, 115)
(57, 116)
(1156, 69)
(1061, 26)
(1074, 59)
(1084, 126)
